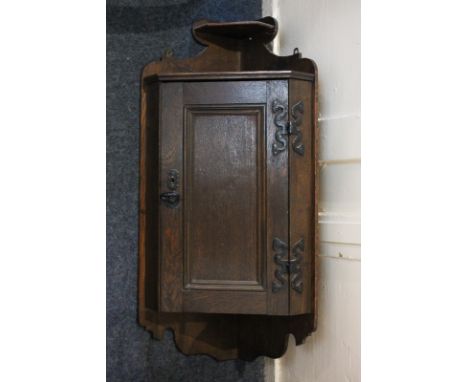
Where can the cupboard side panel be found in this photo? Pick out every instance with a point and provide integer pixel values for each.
(170, 219)
(149, 222)
(277, 195)
(301, 186)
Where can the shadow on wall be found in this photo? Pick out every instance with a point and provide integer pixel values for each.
(137, 33)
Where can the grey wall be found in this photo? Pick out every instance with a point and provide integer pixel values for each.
(137, 33)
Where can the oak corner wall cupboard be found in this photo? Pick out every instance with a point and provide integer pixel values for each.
(228, 194)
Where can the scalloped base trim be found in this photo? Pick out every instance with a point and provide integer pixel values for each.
(227, 337)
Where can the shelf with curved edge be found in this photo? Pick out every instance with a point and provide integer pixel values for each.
(232, 54)
(264, 29)
(227, 337)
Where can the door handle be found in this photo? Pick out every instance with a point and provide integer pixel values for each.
(170, 198)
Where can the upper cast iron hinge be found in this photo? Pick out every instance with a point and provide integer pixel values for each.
(288, 127)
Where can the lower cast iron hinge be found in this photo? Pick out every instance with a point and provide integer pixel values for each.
(286, 266)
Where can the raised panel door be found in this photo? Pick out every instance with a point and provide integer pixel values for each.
(216, 253)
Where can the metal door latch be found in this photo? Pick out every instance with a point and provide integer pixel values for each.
(171, 198)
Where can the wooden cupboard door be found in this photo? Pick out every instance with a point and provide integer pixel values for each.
(223, 197)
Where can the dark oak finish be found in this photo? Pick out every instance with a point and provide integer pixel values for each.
(277, 201)
(215, 262)
(228, 195)
(224, 213)
(170, 251)
(301, 191)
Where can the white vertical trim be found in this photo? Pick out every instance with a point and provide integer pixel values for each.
(276, 14)
(328, 31)
(269, 370)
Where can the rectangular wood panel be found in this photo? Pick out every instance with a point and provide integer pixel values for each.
(224, 210)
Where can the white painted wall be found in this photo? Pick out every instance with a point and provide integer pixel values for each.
(328, 31)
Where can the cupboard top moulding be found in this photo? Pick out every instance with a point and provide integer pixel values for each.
(228, 194)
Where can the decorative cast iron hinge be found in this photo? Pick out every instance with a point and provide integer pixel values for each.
(281, 114)
(282, 261)
(297, 112)
(288, 266)
(295, 266)
(288, 127)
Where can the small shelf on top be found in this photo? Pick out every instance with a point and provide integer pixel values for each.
(264, 29)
